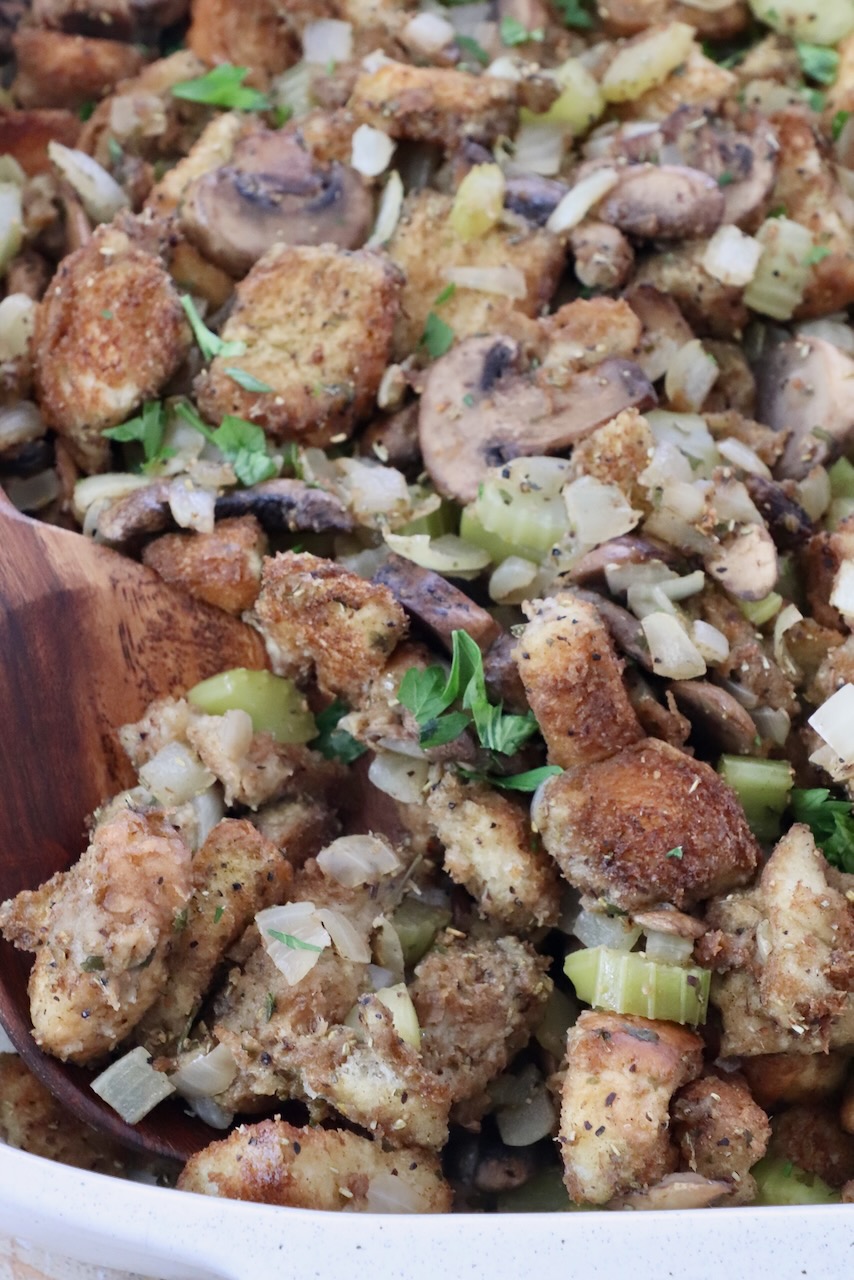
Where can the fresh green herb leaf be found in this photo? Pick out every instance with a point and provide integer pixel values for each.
(292, 459)
(281, 116)
(779, 211)
(92, 964)
(468, 400)
(787, 1169)
(269, 1006)
(514, 32)
(437, 337)
(145, 429)
(210, 344)
(831, 823)
(114, 151)
(222, 86)
(296, 944)
(242, 443)
(246, 380)
(818, 62)
(838, 123)
(815, 99)
(575, 14)
(466, 44)
(334, 743)
(218, 914)
(436, 732)
(107, 314)
(84, 111)
(726, 179)
(677, 853)
(180, 919)
(446, 294)
(528, 781)
(817, 254)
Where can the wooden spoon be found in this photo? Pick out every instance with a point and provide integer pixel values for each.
(87, 639)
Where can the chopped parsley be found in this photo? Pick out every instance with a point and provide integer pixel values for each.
(468, 45)
(288, 939)
(222, 86)
(528, 781)
(726, 179)
(218, 914)
(180, 919)
(816, 255)
(514, 32)
(269, 1006)
(281, 115)
(93, 964)
(677, 853)
(838, 123)
(468, 400)
(817, 62)
(332, 742)
(209, 343)
(575, 14)
(242, 443)
(437, 337)
(114, 151)
(147, 429)
(84, 111)
(246, 380)
(446, 294)
(831, 823)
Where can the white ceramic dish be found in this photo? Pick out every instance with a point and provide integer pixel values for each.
(176, 1236)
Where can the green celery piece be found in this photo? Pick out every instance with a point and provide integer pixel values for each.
(779, 1182)
(544, 1193)
(417, 924)
(842, 479)
(840, 509)
(627, 982)
(445, 519)
(274, 704)
(473, 530)
(763, 788)
(761, 611)
(559, 1013)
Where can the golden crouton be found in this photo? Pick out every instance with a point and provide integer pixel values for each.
(721, 1132)
(432, 104)
(621, 1074)
(101, 932)
(425, 244)
(811, 1137)
(252, 767)
(573, 680)
(616, 454)
(214, 147)
(274, 1163)
(779, 1079)
(236, 873)
(108, 335)
(317, 324)
(33, 1120)
(257, 35)
(300, 827)
(610, 826)
(25, 135)
(315, 614)
(631, 17)
(709, 306)
(223, 567)
(489, 850)
(59, 70)
(699, 82)
(586, 331)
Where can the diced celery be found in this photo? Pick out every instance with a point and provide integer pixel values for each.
(580, 103)
(761, 611)
(781, 1182)
(842, 479)
(472, 529)
(626, 982)
(398, 1001)
(479, 201)
(417, 924)
(274, 704)
(559, 1013)
(445, 519)
(763, 788)
(840, 509)
(544, 1193)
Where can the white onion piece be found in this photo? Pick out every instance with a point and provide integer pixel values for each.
(742, 456)
(674, 529)
(374, 490)
(17, 319)
(508, 282)
(100, 194)
(299, 922)
(207, 1075)
(598, 512)
(374, 60)
(773, 724)
(21, 423)
(814, 493)
(672, 650)
(708, 6)
(689, 432)
(388, 954)
(668, 948)
(526, 1122)
(427, 34)
(577, 203)
(834, 723)
(210, 1112)
(667, 464)
(175, 775)
(11, 221)
(842, 595)
(732, 257)
(745, 696)
(381, 978)
(192, 508)
(468, 19)
(390, 1194)
(686, 500)
(346, 940)
(131, 1086)
(690, 376)
(327, 40)
(504, 68)
(596, 929)
(388, 214)
(355, 860)
(620, 577)
(292, 90)
(372, 151)
(644, 598)
(712, 644)
(11, 171)
(539, 149)
(399, 776)
(6, 1045)
(209, 809)
(33, 493)
(446, 554)
(827, 329)
(398, 1001)
(511, 582)
(785, 619)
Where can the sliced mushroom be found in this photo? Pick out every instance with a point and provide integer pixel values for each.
(667, 919)
(623, 628)
(717, 714)
(665, 329)
(479, 410)
(139, 513)
(804, 388)
(746, 565)
(273, 192)
(676, 1191)
(501, 672)
(630, 549)
(745, 164)
(603, 256)
(287, 506)
(438, 605)
(394, 439)
(533, 197)
(664, 202)
(789, 524)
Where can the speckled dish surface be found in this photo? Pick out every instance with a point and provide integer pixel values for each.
(177, 1236)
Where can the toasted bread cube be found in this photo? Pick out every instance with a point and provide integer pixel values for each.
(109, 334)
(25, 135)
(59, 70)
(721, 1132)
(124, 19)
(33, 1120)
(257, 35)
(214, 147)
(432, 104)
(223, 567)
(632, 17)
(318, 325)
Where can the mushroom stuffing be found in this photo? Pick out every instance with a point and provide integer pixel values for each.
(491, 361)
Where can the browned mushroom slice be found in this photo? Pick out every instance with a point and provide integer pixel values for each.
(438, 605)
(665, 329)
(804, 387)
(393, 439)
(664, 202)
(746, 565)
(623, 628)
(273, 192)
(630, 549)
(287, 506)
(744, 164)
(479, 410)
(137, 514)
(790, 525)
(717, 714)
(533, 197)
(501, 672)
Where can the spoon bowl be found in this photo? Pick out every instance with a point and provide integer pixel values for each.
(88, 638)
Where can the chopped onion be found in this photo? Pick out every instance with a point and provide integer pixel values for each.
(732, 257)
(372, 151)
(192, 508)
(597, 929)
(11, 221)
(388, 1193)
(620, 577)
(834, 722)
(745, 696)
(6, 1045)
(526, 1121)
(17, 319)
(388, 214)
(374, 490)
(818, 21)
(708, 6)
(785, 619)
(446, 554)
(398, 1001)
(355, 860)
(207, 1075)
(132, 1087)
(827, 329)
(644, 598)
(400, 777)
(22, 422)
(427, 34)
(667, 464)
(773, 724)
(100, 194)
(577, 203)
(209, 808)
(512, 581)
(644, 63)
(327, 40)
(842, 596)
(509, 282)
(292, 90)
(690, 433)
(469, 19)
(673, 652)
(374, 60)
(506, 67)
(211, 1112)
(388, 954)
(11, 171)
(814, 493)
(674, 529)
(669, 948)
(691, 374)
(598, 512)
(539, 149)
(734, 505)
(743, 457)
(346, 940)
(780, 280)
(712, 644)
(381, 978)
(175, 774)
(33, 493)
(300, 924)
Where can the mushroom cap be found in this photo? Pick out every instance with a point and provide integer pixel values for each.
(804, 384)
(287, 506)
(664, 202)
(746, 564)
(273, 192)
